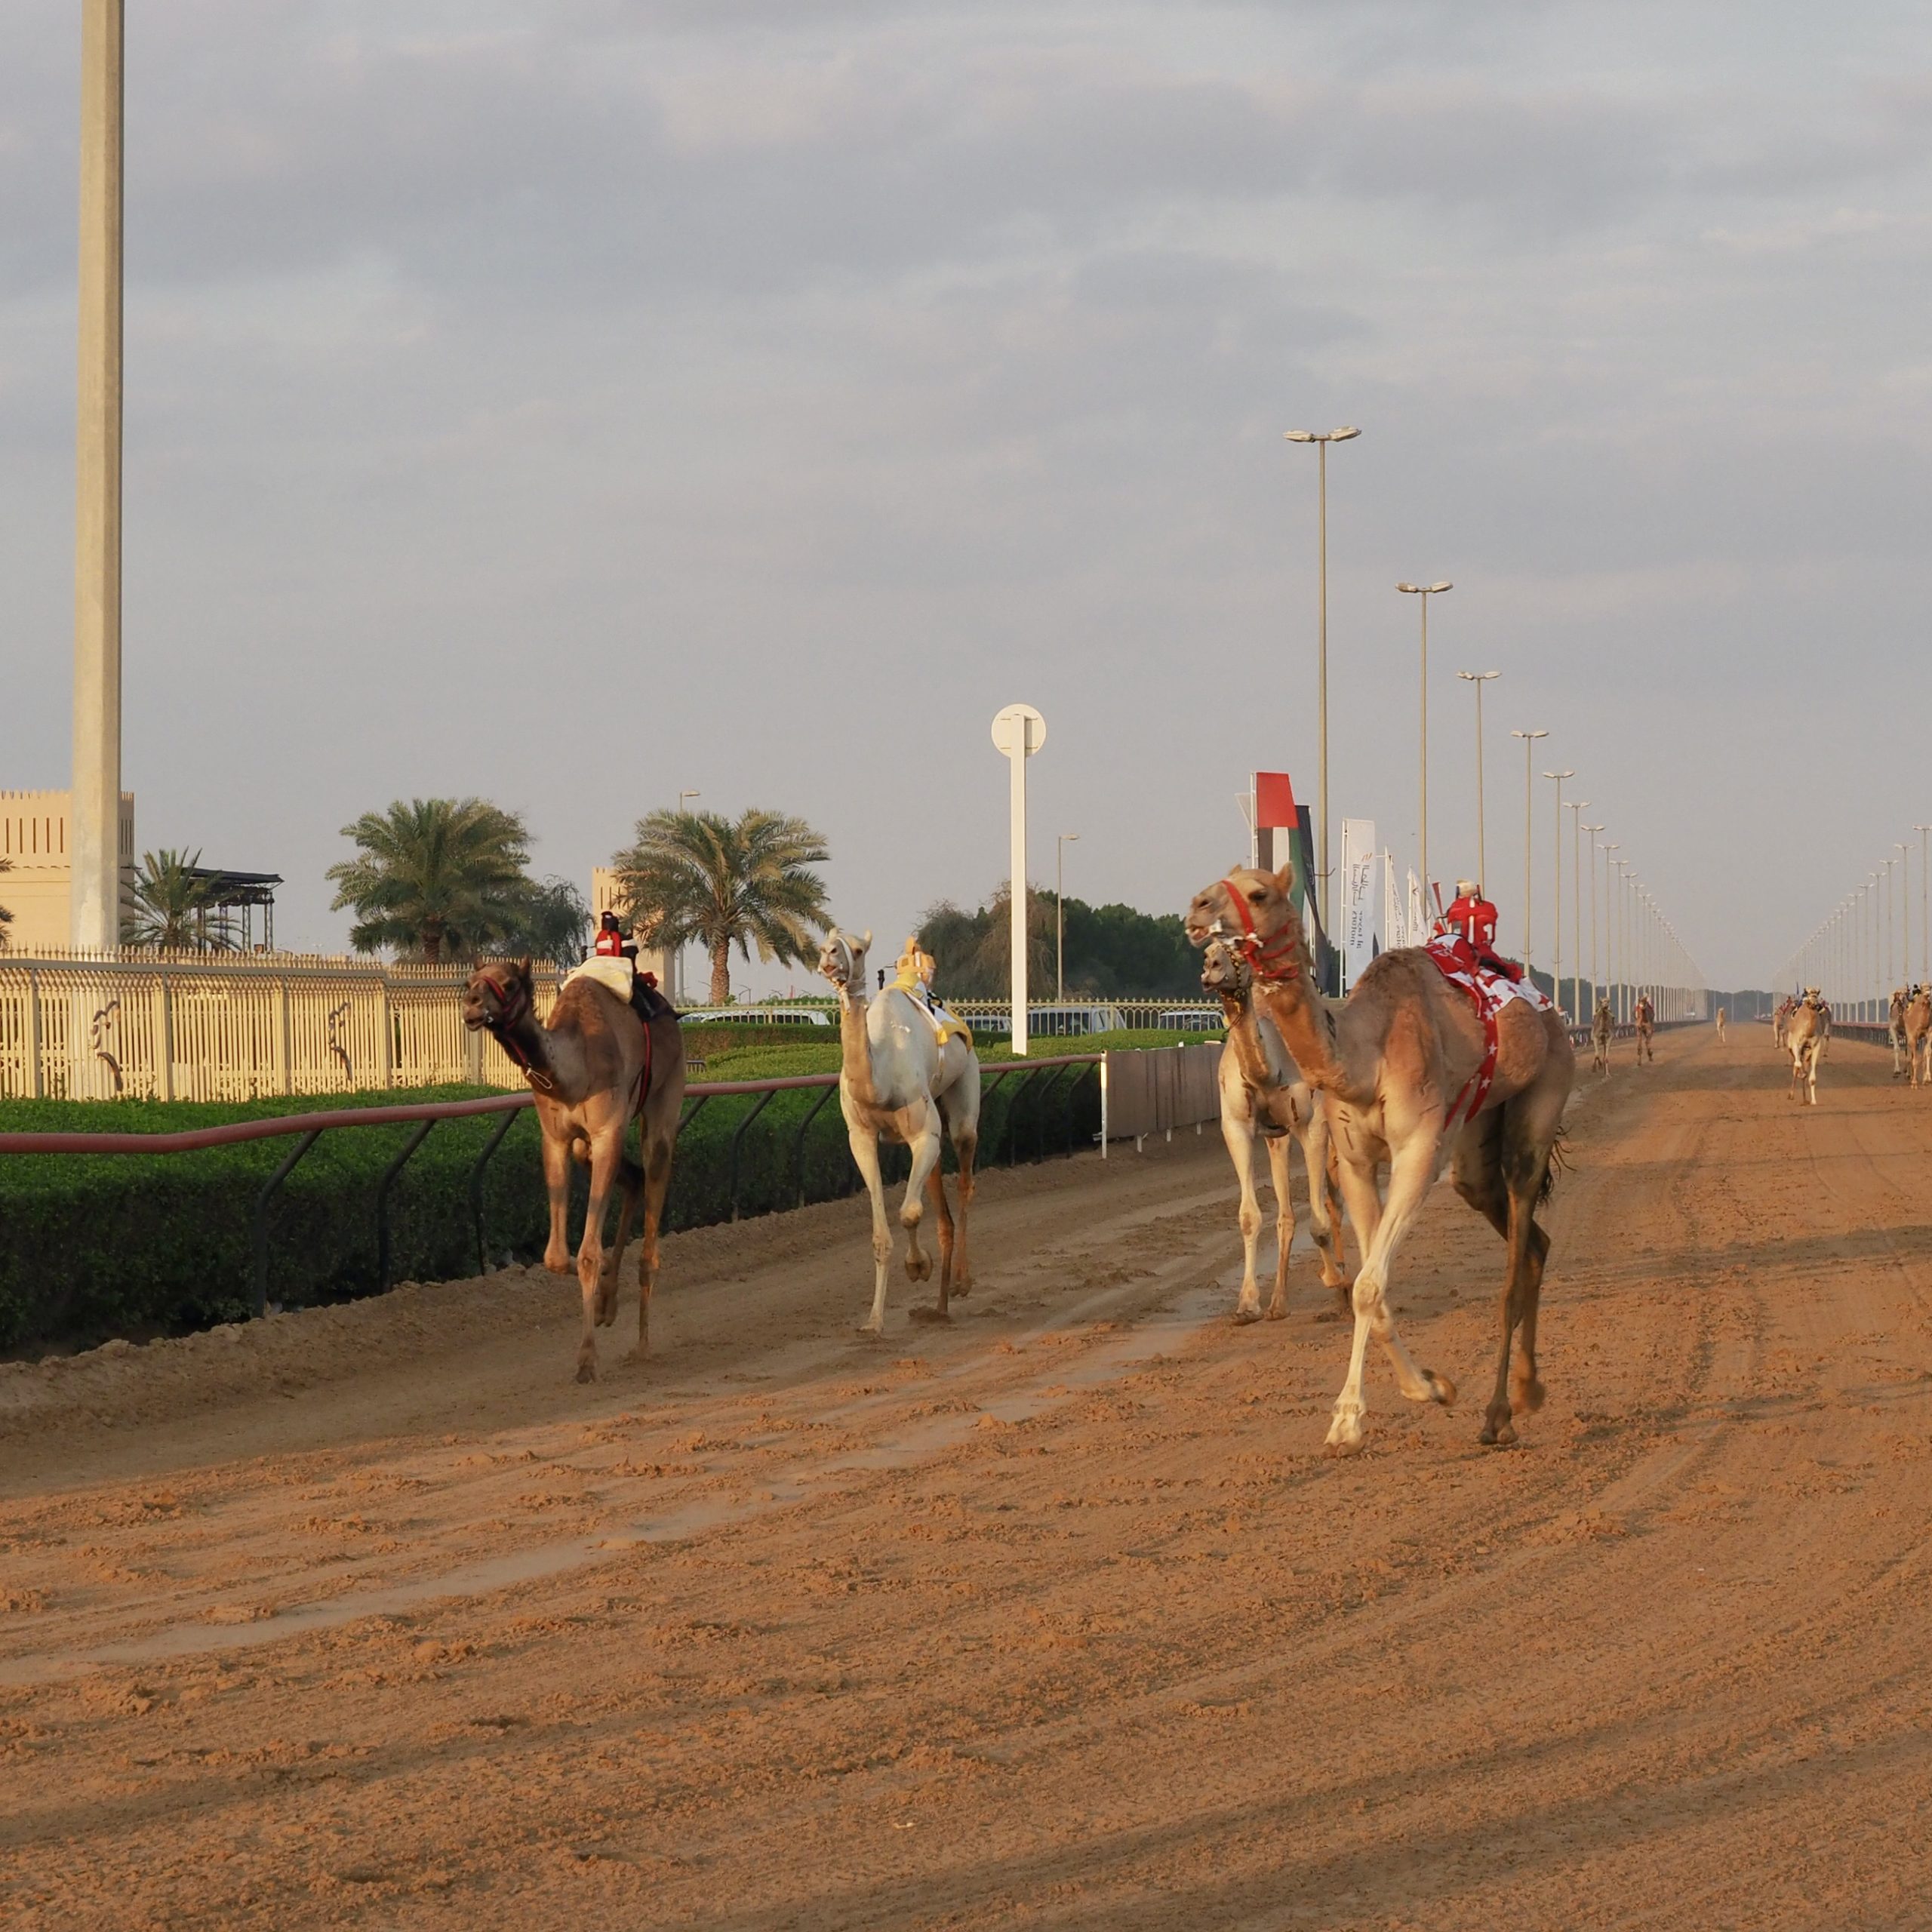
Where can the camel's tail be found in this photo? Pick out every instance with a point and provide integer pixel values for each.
(1558, 1163)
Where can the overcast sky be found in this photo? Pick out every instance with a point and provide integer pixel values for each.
(573, 403)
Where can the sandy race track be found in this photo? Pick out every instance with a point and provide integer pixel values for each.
(1057, 1617)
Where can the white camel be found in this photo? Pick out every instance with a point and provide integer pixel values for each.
(898, 1078)
(1262, 1092)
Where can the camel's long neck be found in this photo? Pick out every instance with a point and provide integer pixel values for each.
(1244, 1039)
(855, 1050)
(537, 1051)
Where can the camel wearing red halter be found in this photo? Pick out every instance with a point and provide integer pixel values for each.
(1402, 1063)
(593, 1068)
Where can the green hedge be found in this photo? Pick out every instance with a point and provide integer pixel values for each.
(96, 1245)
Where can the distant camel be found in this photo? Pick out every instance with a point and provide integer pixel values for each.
(595, 1064)
(1780, 1021)
(1720, 1031)
(1603, 1025)
(1645, 1016)
(1262, 1092)
(1895, 1030)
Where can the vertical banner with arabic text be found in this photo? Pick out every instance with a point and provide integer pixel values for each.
(1357, 920)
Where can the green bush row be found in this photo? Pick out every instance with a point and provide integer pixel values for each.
(96, 1245)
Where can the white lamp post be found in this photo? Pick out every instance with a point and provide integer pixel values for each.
(1529, 738)
(1019, 731)
(1479, 678)
(1425, 592)
(1060, 914)
(1322, 438)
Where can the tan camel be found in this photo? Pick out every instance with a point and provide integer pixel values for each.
(1918, 1024)
(1603, 1026)
(1262, 1092)
(1805, 1040)
(1780, 1020)
(899, 1078)
(1895, 1030)
(1720, 1031)
(1644, 1017)
(595, 1066)
(1402, 1063)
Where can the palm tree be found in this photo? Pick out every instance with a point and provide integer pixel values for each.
(552, 923)
(172, 903)
(725, 883)
(434, 874)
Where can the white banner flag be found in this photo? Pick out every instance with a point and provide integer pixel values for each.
(1418, 911)
(1358, 895)
(1394, 926)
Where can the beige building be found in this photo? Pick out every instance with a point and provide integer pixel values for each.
(650, 958)
(37, 886)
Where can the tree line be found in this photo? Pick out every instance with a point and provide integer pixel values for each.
(436, 879)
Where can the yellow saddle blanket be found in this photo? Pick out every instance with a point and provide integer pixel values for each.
(944, 1024)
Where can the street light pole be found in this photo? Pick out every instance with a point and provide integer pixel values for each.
(1529, 738)
(1060, 916)
(1425, 592)
(1924, 902)
(1479, 678)
(1577, 808)
(1556, 921)
(1322, 438)
(1610, 923)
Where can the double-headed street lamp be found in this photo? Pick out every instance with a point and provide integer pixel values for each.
(1322, 438)
(1529, 738)
(1556, 918)
(1479, 678)
(1578, 807)
(1425, 592)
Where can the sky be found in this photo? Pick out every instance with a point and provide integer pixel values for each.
(572, 404)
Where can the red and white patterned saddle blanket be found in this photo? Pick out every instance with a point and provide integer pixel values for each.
(1489, 993)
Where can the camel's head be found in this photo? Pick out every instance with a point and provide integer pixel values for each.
(842, 959)
(1225, 972)
(1246, 904)
(498, 995)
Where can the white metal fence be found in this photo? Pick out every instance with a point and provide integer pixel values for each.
(189, 1027)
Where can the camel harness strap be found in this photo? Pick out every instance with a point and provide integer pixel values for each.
(1273, 960)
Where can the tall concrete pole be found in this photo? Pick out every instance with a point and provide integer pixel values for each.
(94, 806)
(1019, 731)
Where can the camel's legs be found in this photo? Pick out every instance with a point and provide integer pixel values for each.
(965, 1146)
(1324, 1202)
(656, 1185)
(606, 1157)
(942, 1214)
(926, 1147)
(1238, 1131)
(864, 1152)
(630, 1181)
(1499, 1172)
(1284, 1222)
(556, 1185)
(1412, 1170)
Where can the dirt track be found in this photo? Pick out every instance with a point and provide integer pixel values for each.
(1057, 1617)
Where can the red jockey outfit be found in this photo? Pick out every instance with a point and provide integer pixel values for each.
(610, 939)
(1470, 922)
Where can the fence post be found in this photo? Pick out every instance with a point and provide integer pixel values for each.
(495, 1141)
(164, 1000)
(262, 1201)
(284, 1037)
(36, 1078)
(1106, 1059)
(388, 1032)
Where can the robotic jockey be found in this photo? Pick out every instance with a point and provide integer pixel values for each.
(1471, 920)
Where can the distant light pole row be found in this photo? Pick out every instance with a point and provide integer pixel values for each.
(1861, 952)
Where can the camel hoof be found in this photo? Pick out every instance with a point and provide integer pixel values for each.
(1347, 1446)
(962, 1287)
(872, 1330)
(1497, 1435)
(1441, 1389)
(586, 1371)
(1242, 1317)
(1278, 1311)
(928, 1315)
(565, 1266)
(1528, 1399)
(919, 1267)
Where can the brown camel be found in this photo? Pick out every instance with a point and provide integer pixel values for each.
(1262, 1092)
(1644, 1016)
(1805, 1033)
(595, 1064)
(1402, 1063)
(1918, 1035)
(1603, 1026)
(1780, 1020)
(1895, 1030)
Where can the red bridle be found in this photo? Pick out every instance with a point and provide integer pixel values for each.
(1276, 959)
